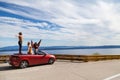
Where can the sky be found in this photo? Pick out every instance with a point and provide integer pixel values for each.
(60, 22)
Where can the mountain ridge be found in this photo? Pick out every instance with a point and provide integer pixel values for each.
(15, 48)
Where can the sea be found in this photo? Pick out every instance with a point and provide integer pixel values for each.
(109, 51)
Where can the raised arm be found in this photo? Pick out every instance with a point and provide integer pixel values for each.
(39, 42)
(32, 43)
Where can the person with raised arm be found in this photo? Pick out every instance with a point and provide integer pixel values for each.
(36, 46)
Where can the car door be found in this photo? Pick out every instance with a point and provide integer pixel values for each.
(44, 57)
(41, 59)
(37, 59)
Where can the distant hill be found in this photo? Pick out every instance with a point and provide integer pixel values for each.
(15, 48)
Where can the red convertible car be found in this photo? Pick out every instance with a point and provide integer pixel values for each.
(25, 60)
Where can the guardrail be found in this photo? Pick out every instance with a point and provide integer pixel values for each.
(85, 58)
(4, 58)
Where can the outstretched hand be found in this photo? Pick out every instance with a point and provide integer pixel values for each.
(39, 42)
(32, 43)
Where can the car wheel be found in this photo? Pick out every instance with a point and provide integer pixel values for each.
(23, 64)
(51, 61)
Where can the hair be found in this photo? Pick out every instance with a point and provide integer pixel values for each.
(20, 33)
(35, 44)
(28, 43)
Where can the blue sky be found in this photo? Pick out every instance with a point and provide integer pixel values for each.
(60, 22)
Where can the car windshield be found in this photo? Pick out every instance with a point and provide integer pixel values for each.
(41, 52)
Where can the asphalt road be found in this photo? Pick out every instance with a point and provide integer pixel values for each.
(64, 70)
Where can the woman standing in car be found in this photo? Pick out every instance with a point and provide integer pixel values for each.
(20, 41)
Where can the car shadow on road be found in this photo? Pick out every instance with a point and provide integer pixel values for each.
(7, 68)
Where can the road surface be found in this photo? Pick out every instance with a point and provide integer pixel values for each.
(64, 70)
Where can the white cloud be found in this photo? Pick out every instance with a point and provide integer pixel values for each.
(75, 18)
(14, 25)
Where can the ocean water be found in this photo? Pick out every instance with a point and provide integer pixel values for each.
(110, 51)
